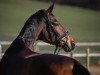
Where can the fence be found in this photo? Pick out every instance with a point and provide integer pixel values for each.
(37, 44)
(87, 54)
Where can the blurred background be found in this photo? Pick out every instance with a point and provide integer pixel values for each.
(80, 17)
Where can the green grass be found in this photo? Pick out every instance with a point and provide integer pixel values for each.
(83, 24)
(93, 60)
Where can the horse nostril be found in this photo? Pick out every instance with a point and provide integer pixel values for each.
(73, 45)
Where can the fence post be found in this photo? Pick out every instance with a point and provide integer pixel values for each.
(0, 51)
(0, 48)
(36, 47)
(71, 54)
(87, 58)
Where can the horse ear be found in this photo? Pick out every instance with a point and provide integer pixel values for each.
(50, 9)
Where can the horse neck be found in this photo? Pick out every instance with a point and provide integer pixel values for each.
(30, 32)
(27, 37)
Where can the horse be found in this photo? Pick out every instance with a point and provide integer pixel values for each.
(19, 59)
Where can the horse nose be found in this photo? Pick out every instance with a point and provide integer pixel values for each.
(73, 45)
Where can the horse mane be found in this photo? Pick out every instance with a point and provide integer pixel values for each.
(37, 18)
(31, 26)
(38, 15)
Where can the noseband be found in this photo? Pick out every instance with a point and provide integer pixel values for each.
(63, 39)
(60, 38)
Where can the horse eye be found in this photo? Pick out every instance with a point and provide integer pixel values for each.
(56, 23)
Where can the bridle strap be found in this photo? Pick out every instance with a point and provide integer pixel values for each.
(53, 30)
(57, 50)
(59, 47)
(65, 34)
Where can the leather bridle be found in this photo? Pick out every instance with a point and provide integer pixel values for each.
(51, 30)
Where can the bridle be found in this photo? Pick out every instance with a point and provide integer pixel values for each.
(51, 30)
(62, 38)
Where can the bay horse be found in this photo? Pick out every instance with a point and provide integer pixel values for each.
(20, 60)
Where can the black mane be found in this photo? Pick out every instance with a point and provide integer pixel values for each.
(38, 15)
(34, 19)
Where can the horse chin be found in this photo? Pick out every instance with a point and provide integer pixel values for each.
(66, 48)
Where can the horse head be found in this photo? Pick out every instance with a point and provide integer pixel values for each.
(54, 33)
(44, 26)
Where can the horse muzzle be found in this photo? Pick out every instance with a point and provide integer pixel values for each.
(68, 47)
(67, 43)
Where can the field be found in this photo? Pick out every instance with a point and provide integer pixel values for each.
(83, 24)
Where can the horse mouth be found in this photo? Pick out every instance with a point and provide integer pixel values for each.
(68, 48)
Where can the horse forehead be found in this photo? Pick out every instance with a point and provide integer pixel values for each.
(60, 29)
